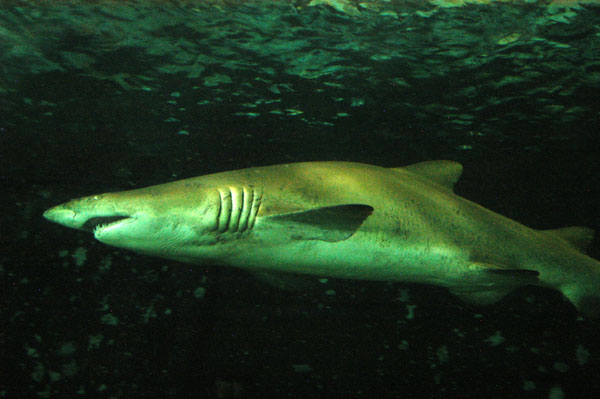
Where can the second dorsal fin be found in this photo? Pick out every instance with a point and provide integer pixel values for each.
(579, 237)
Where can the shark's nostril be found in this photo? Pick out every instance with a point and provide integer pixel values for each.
(92, 223)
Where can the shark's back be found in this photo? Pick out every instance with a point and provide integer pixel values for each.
(415, 207)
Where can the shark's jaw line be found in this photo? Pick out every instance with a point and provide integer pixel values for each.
(99, 223)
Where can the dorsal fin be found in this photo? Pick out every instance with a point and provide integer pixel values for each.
(444, 173)
(579, 237)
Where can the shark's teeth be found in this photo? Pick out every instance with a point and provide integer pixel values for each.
(95, 223)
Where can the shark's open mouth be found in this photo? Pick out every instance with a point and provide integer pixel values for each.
(101, 221)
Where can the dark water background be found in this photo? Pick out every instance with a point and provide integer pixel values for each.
(101, 96)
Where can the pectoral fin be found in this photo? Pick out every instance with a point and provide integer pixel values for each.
(331, 224)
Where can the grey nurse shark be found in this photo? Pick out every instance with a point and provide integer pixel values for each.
(343, 220)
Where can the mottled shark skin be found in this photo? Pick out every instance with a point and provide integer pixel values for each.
(343, 220)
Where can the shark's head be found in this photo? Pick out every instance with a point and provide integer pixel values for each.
(171, 222)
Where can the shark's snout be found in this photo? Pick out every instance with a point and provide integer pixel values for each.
(86, 220)
(61, 215)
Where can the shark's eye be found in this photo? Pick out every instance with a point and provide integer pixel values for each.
(92, 223)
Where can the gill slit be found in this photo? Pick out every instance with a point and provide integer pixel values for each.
(247, 198)
(224, 211)
(257, 194)
(219, 210)
(237, 201)
(237, 208)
